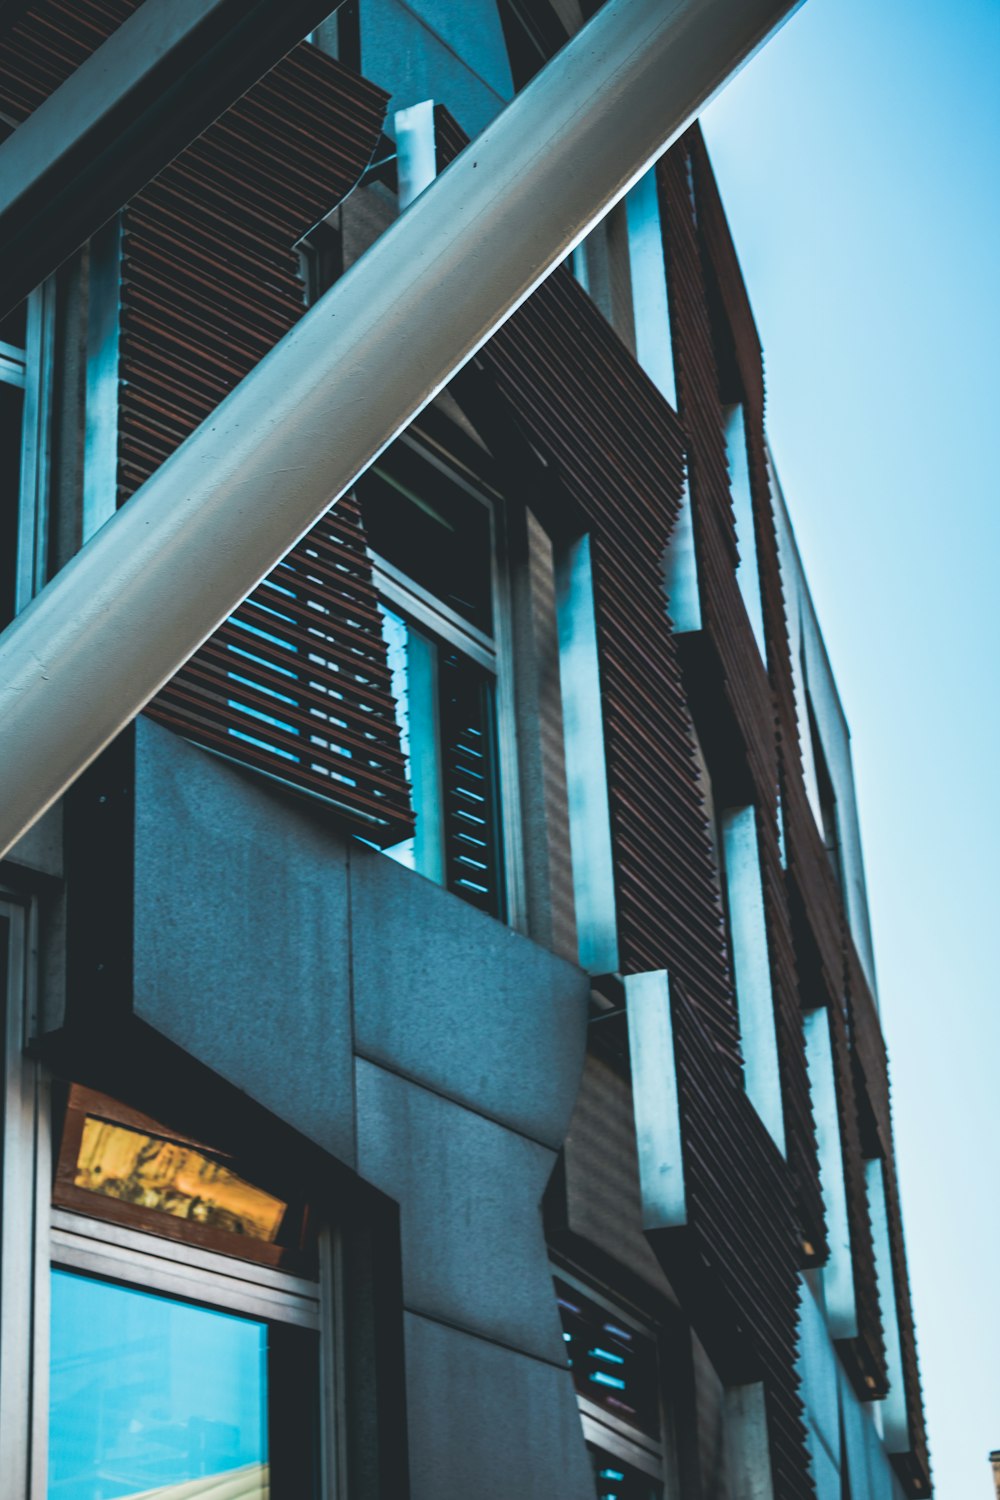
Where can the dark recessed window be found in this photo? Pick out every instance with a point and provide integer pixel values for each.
(616, 1479)
(616, 1374)
(428, 526)
(431, 538)
(613, 1364)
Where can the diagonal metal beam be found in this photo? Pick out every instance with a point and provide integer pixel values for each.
(157, 82)
(161, 575)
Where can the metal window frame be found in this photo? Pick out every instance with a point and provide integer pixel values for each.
(25, 1192)
(599, 1426)
(36, 1237)
(30, 369)
(494, 653)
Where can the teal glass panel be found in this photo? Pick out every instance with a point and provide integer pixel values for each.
(148, 1394)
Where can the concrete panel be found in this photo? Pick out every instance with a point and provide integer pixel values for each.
(871, 1473)
(826, 1474)
(41, 848)
(489, 1423)
(460, 1002)
(241, 941)
(818, 1366)
(469, 1193)
(404, 54)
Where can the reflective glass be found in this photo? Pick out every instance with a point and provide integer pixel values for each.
(148, 1396)
(153, 1172)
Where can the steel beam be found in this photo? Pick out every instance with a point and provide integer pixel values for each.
(161, 575)
(157, 82)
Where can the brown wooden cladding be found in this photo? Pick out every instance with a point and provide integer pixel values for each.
(744, 1241)
(616, 447)
(913, 1467)
(47, 42)
(829, 972)
(296, 683)
(726, 626)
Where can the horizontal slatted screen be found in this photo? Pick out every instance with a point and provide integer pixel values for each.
(296, 683)
(832, 971)
(617, 447)
(707, 291)
(48, 42)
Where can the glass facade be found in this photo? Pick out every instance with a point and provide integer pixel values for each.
(148, 1394)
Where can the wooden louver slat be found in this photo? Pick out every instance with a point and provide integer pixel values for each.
(618, 450)
(295, 682)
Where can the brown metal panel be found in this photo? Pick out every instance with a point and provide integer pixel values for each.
(687, 197)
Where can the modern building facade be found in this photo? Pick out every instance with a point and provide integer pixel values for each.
(441, 1045)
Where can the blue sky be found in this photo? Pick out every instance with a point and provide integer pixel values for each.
(859, 161)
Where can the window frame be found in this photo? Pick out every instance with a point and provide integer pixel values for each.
(495, 654)
(64, 1239)
(29, 369)
(602, 1430)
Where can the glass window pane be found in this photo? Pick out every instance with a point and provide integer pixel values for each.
(11, 409)
(156, 1173)
(617, 1480)
(431, 529)
(614, 1365)
(148, 1394)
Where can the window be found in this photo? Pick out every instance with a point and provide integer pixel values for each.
(13, 360)
(432, 535)
(148, 1393)
(615, 1372)
(826, 796)
(168, 1322)
(25, 336)
(181, 1350)
(651, 304)
(746, 922)
(602, 265)
(747, 570)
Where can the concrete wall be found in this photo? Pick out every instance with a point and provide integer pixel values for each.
(839, 1426)
(433, 49)
(425, 1045)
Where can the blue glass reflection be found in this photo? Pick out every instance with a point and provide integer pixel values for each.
(396, 633)
(146, 1392)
